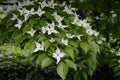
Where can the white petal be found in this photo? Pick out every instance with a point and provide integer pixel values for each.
(58, 60)
(61, 55)
(54, 55)
(37, 49)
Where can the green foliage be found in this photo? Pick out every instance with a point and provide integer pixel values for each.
(75, 46)
(62, 70)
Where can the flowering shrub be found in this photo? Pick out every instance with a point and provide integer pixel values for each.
(54, 35)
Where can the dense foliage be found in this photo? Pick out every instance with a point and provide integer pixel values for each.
(53, 37)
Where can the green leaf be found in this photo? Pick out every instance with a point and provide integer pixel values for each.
(33, 21)
(71, 64)
(48, 15)
(85, 46)
(29, 46)
(70, 52)
(62, 70)
(74, 43)
(90, 72)
(58, 41)
(47, 44)
(39, 59)
(19, 38)
(77, 76)
(46, 62)
(94, 47)
(117, 74)
(41, 23)
(84, 74)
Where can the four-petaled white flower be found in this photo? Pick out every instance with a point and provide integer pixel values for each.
(45, 29)
(90, 31)
(69, 10)
(39, 47)
(58, 55)
(43, 4)
(65, 42)
(70, 36)
(39, 12)
(58, 18)
(60, 25)
(31, 32)
(51, 4)
(19, 24)
(14, 17)
(52, 28)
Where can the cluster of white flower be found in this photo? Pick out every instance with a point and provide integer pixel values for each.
(52, 27)
(49, 29)
(85, 24)
(113, 13)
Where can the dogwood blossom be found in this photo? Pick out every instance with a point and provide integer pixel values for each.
(51, 28)
(51, 4)
(58, 18)
(14, 17)
(43, 4)
(52, 40)
(28, 13)
(39, 46)
(31, 32)
(60, 25)
(70, 36)
(19, 24)
(90, 31)
(58, 55)
(39, 12)
(44, 29)
(69, 10)
(65, 42)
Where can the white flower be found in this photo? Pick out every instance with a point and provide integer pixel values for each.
(52, 40)
(28, 13)
(96, 33)
(57, 17)
(14, 17)
(85, 24)
(77, 21)
(43, 4)
(45, 29)
(39, 12)
(58, 55)
(99, 42)
(65, 42)
(70, 36)
(51, 29)
(114, 15)
(19, 25)
(79, 37)
(23, 11)
(69, 10)
(39, 46)
(31, 32)
(51, 4)
(90, 31)
(60, 25)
